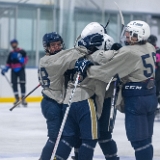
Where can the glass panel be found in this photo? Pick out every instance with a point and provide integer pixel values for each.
(112, 27)
(25, 32)
(46, 26)
(27, 26)
(127, 18)
(138, 17)
(82, 18)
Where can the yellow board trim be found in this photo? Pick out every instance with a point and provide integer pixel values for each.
(93, 118)
(12, 99)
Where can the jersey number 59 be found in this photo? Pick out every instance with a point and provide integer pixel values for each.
(43, 77)
(148, 65)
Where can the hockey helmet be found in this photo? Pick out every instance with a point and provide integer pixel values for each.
(51, 37)
(13, 41)
(139, 29)
(107, 43)
(92, 28)
(54, 37)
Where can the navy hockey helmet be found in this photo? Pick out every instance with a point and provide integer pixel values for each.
(54, 37)
(13, 41)
(49, 38)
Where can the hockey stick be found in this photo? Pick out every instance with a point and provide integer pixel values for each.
(121, 16)
(113, 110)
(7, 78)
(122, 21)
(24, 97)
(77, 40)
(108, 85)
(65, 117)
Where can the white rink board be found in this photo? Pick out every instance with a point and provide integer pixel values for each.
(23, 135)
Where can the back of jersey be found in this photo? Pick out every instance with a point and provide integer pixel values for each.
(53, 84)
(144, 68)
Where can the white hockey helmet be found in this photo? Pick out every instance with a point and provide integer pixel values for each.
(92, 28)
(107, 43)
(139, 29)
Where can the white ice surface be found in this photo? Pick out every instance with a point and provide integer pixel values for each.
(23, 135)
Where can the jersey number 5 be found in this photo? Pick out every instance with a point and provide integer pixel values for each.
(148, 65)
(43, 77)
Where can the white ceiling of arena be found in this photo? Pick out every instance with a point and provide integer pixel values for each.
(148, 6)
(29, 1)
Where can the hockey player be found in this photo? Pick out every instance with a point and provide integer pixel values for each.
(52, 98)
(135, 64)
(52, 78)
(153, 40)
(107, 144)
(82, 119)
(17, 59)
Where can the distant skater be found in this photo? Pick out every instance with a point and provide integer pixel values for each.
(17, 59)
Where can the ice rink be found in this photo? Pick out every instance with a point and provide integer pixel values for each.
(23, 135)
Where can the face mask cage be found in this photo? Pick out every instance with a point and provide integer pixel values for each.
(124, 39)
(62, 46)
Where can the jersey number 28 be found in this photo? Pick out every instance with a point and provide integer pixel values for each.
(43, 77)
(148, 65)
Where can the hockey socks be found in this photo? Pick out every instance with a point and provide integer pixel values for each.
(143, 149)
(47, 150)
(86, 149)
(108, 146)
(76, 149)
(64, 148)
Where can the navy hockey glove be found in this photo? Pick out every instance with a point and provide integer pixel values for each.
(82, 66)
(116, 46)
(4, 70)
(91, 40)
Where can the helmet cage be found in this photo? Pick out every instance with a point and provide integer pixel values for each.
(138, 29)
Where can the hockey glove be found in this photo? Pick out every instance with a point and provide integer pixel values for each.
(91, 40)
(116, 46)
(20, 58)
(4, 70)
(82, 66)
